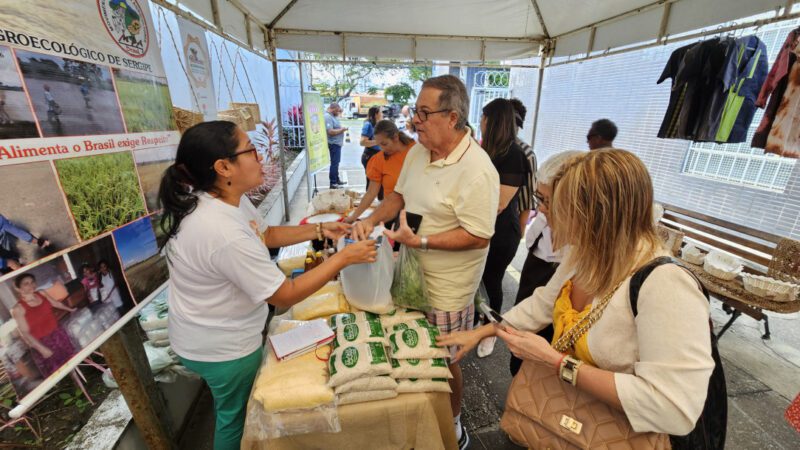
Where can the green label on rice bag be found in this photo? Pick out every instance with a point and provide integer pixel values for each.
(350, 332)
(400, 327)
(348, 318)
(393, 341)
(413, 362)
(375, 328)
(413, 380)
(395, 363)
(438, 362)
(432, 333)
(423, 323)
(335, 343)
(350, 357)
(410, 337)
(440, 380)
(332, 365)
(372, 316)
(377, 353)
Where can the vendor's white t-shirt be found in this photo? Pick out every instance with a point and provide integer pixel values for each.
(220, 276)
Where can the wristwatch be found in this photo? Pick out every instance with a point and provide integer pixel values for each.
(568, 371)
(423, 243)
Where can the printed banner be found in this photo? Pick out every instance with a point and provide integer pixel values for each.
(316, 136)
(198, 65)
(86, 132)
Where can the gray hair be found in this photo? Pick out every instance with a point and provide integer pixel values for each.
(550, 168)
(453, 96)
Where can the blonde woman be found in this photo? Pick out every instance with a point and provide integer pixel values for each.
(653, 365)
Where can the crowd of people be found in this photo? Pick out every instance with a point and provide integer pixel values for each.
(643, 349)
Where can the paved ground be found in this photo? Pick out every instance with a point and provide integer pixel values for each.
(762, 375)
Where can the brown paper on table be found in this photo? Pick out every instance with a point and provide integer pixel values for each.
(421, 421)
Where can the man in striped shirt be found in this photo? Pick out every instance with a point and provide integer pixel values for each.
(526, 201)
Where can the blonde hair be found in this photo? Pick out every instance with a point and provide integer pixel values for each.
(602, 207)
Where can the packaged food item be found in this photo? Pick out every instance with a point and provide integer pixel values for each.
(298, 383)
(366, 396)
(157, 334)
(416, 343)
(380, 383)
(350, 362)
(353, 333)
(399, 315)
(323, 303)
(338, 320)
(420, 368)
(423, 385)
(416, 323)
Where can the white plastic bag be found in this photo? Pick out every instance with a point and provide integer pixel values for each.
(368, 286)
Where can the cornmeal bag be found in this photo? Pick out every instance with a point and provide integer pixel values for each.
(350, 362)
(416, 343)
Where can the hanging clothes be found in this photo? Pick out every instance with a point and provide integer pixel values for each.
(775, 89)
(677, 92)
(714, 84)
(744, 74)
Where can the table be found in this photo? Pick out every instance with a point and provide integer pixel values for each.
(420, 421)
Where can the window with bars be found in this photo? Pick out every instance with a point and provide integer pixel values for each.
(740, 163)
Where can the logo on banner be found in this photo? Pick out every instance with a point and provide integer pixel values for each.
(197, 60)
(125, 21)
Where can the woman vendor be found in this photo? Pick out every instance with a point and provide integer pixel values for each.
(221, 275)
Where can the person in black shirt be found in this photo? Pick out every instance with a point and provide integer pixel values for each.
(498, 129)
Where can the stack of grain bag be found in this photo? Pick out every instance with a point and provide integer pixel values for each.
(359, 365)
(153, 319)
(418, 364)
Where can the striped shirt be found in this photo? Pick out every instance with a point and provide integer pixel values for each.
(526, 200)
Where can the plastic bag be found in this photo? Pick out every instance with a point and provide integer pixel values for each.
(368, 286)
(408, 284)
(261, 425)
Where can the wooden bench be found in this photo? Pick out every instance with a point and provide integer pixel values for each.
(762, 253)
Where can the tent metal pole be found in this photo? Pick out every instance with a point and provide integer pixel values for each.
(308, 151)
(279, 114)
(538, 100)
(280, 15)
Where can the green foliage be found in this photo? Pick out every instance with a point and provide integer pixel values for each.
(401, 93)
(102, 191)
(420, 73)
(75, 398)
(146, 106)
(372, 90)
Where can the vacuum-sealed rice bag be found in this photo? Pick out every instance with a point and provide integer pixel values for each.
(366, 396)
(416, 343)
(350, 362)
(423, 385)
(420, 368)
(380, 383)
(354, 333)
(338, 320)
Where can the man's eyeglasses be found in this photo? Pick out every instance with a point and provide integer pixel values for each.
(540, 199)
(423, 115)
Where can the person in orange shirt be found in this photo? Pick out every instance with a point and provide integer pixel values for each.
(383, 169)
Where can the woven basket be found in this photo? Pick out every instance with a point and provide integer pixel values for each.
(185, 119)
(722, 265)
(251, 107)
(692, 254)
(240, 117)
(777, 290)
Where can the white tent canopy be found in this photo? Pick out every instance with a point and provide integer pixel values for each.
(461, 30)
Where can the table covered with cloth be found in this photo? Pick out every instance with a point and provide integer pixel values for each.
(420, 421)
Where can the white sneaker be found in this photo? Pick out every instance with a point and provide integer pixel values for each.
(486, 346)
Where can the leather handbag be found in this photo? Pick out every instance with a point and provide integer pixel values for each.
(544, 412)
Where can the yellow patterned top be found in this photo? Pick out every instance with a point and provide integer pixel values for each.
(565, 317)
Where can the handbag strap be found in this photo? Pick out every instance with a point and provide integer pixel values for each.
(568, 339)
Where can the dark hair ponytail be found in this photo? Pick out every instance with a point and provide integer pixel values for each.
(193, 170)
(500, 127)
(372, 114)
(389, 129)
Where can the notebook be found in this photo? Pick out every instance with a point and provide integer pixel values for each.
(301, 339)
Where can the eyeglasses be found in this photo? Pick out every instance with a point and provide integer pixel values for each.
(248, 150)
(423, 115)
(540, 199)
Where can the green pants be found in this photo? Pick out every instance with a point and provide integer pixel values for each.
(230, 383)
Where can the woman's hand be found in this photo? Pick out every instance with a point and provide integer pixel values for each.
(350, 219)
(45, 352)
(361, 230)
(465, 340)
(335, 230)
(528, 346)
(359, 252)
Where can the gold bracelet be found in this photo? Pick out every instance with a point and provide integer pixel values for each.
(320, 236)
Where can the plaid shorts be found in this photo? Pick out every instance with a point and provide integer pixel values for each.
(449, 321)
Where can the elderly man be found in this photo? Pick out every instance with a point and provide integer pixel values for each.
(449, 180)
(335, 142)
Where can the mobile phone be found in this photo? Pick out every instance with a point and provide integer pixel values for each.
(413, 220)
(494, 316)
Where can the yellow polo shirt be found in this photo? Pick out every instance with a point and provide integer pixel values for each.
(462, 190)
